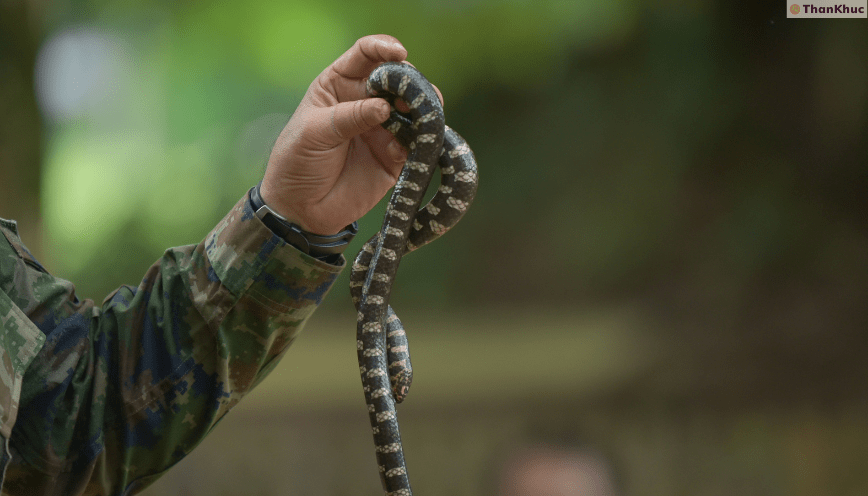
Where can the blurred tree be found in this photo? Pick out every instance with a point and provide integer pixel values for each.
(20, 123)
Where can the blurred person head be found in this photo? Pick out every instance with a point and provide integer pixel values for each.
(553, 470)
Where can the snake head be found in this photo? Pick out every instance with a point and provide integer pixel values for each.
(401, 384)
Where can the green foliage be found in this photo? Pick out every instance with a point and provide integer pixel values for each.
(197, 79)
(623, 148)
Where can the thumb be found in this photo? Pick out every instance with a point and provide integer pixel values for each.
(349, 119)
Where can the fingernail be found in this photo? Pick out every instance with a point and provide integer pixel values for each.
(396, 151)
(391, 45)
(387, 44)
(384, 110)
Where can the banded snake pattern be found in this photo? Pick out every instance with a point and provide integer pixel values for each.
(384, 360)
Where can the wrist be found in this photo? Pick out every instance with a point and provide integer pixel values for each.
(269, 197)
(323, 247)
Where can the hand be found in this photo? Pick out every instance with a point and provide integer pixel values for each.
(333, 162)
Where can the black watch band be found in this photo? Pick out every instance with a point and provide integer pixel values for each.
(327, 248)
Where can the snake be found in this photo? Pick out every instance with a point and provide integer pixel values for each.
(383, 353)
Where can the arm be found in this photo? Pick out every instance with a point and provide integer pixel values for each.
(122, 391)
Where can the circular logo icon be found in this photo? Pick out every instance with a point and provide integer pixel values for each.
(795, 9)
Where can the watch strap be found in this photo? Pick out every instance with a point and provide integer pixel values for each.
(322, 247)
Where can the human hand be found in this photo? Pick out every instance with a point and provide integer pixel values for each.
(333, 162)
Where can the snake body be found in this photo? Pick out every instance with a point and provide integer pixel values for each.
(384, 360)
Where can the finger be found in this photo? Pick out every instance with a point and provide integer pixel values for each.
(347, 90)
(344, 80)
(367, 53)
(439, 95)
(364, 184)
(386, 149)
(348, 119)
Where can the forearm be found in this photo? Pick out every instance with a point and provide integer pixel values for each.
(163, 362)
(239, 301)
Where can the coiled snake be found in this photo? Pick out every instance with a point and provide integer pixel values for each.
(384, 360)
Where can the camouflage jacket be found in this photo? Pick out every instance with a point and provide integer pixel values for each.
(103, 399)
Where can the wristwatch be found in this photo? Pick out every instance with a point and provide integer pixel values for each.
(327, 248)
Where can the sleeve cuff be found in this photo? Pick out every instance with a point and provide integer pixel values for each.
(243, 251)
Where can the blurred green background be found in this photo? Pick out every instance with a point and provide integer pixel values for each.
(666, 264)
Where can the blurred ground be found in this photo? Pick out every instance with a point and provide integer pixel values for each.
(567, 379)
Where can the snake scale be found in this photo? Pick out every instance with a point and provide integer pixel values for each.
(384, 360)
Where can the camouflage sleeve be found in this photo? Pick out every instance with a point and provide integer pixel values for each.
(122, 392)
